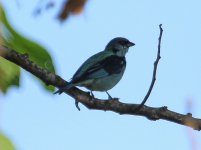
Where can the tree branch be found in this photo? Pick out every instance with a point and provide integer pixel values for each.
(154, 71)
(49, 78)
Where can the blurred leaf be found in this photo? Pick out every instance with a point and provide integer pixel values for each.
(5, 143)
(71, 7)
(9, 75)
(36, 52)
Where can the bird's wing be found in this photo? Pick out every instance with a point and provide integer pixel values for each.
(100, 65)
(91, 68)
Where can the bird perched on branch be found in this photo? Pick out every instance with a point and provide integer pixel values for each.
(102, 71)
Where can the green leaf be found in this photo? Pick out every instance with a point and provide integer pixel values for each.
(5, 143)
(9, 75)
(36, 52)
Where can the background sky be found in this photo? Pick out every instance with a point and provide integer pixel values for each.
(36, 120)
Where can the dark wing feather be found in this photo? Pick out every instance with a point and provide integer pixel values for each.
(104, 67)
(91, 67)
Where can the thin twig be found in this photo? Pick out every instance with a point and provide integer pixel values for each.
(154, 70)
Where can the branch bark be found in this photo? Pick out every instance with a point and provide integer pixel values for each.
(152, 113)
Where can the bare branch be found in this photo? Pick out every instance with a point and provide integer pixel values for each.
(154, 71)
(98, 104)
(114, 105)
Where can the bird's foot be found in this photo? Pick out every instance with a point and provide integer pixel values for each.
(109, 96)
(114, 99)
(91, 95)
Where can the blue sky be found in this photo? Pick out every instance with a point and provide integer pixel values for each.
(37, 120)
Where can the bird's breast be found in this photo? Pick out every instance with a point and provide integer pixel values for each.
(114, 64)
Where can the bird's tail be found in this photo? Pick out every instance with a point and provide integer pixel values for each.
(66, 88)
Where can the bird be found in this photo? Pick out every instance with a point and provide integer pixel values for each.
(102, 71)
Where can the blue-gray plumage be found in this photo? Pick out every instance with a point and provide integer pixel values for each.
(104, 70)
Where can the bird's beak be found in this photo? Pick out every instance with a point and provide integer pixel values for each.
(130, 44)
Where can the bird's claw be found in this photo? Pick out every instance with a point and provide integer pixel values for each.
(115, 99)
(110, 97)
(91, 95)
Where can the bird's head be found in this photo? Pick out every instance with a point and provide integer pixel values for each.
(119, 46)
